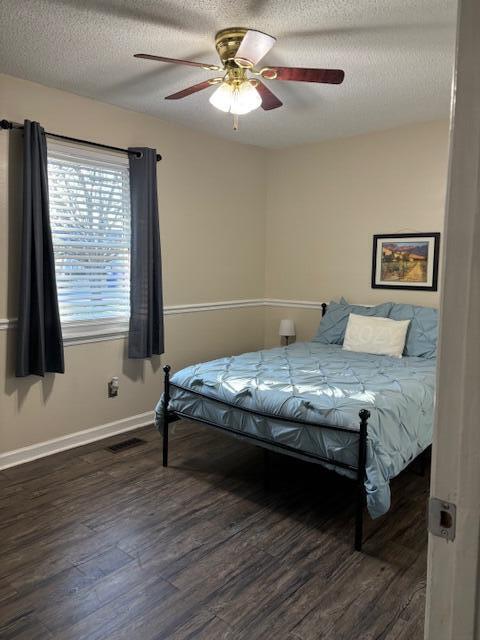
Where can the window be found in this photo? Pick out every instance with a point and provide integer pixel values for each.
(90, 221)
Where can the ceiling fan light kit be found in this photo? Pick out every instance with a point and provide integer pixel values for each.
(240, 49)
(237, 99)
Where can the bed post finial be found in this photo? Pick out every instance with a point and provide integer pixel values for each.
(166, 401)
(364, 415)
(324, 308)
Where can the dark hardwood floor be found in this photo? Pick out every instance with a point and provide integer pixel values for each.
(98, 545)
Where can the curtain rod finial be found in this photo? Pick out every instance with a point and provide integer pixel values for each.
(139, 154)
(5, 124)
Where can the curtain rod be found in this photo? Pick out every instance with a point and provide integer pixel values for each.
(6, 124)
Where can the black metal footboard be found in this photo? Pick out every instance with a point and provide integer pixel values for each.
(359, 469)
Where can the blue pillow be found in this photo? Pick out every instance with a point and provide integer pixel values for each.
(334, 323)
(423, 330)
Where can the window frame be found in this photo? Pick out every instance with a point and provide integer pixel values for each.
(94, 329)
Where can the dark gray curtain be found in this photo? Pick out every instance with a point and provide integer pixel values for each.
(39, 334)
(146, 301)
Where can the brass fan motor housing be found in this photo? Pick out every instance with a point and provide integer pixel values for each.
(227, 42)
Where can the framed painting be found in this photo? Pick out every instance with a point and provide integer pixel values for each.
(406, 261)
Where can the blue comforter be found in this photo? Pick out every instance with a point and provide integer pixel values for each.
(321, 384)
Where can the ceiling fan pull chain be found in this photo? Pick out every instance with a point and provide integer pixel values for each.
(235, 122)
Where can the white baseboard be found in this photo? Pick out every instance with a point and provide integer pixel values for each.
(42, 449)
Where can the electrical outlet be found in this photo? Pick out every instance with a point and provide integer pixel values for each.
(113, 386)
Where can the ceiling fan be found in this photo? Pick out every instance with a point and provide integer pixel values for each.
(240, 88)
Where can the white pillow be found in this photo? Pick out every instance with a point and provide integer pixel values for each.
(371, 334)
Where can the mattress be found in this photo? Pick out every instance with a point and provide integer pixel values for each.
(323, 385)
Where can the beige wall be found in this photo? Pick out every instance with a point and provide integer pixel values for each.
(298, 226)
(210, 252)
(34, 410)
(325, 202)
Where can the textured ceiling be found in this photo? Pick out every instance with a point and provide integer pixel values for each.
(397, 56)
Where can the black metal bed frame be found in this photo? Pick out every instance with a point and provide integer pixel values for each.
(170, 416)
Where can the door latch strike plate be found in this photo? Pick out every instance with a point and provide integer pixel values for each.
(442, 518)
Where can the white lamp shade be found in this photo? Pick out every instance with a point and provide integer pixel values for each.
(221, 98)
(287, 328)
(236, 100)
(245, 99)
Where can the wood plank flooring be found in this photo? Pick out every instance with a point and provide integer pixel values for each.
(98, 545)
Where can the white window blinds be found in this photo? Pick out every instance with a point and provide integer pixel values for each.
(90, 221)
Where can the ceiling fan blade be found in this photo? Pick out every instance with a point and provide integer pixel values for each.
(191, 63)
(254, 46)
(297, 74)
(189, 90)
(269, 99)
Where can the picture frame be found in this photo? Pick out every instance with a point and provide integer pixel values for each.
(406, 261)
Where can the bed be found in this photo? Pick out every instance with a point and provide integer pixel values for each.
(362, 415)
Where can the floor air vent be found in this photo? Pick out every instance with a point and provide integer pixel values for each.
(125, 444)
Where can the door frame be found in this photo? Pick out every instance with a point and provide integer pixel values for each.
(453, 598)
